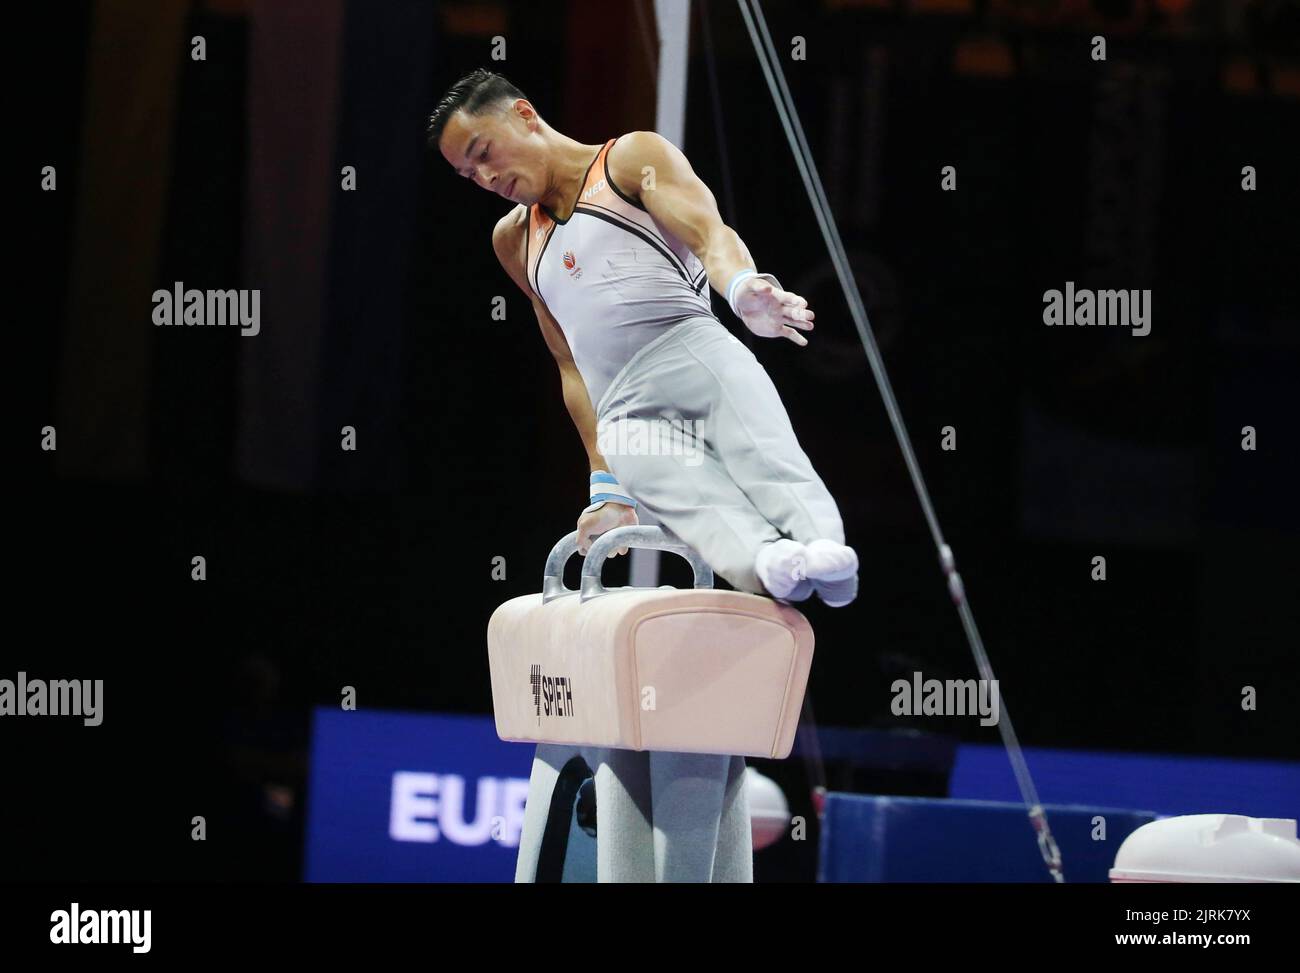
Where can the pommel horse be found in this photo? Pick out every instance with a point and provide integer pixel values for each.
(643, 703)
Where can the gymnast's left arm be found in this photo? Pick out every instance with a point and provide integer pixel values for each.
(649, 168)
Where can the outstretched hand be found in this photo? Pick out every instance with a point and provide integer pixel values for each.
(770, 312)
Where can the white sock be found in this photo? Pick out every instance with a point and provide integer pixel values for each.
(780, 566)
(827, 560)
(837, 594)
(802, 592)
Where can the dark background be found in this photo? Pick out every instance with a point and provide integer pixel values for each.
(372, 569)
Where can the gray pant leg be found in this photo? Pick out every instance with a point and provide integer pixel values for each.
(688, 791)
(755, 441)
(685, 485)
(737, 478)
(548, 761)
(702, 506)
(624, 844)
(734, 861)
(625, 847)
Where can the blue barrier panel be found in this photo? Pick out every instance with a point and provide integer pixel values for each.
(1166, 783)
(867, 838)
(407, 797)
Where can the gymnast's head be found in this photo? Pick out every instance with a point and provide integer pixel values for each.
(490, 133)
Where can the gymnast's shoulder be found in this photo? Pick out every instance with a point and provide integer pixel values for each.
(510, 229)
(508, 241)
(514, 222)
(631, 152)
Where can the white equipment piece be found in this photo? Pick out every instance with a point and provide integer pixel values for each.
(1210, 848)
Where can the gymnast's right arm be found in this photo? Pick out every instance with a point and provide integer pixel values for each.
(507, 240)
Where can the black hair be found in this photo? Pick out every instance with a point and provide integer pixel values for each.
(477, 92)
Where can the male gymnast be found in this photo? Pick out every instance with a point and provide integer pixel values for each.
(615, 245)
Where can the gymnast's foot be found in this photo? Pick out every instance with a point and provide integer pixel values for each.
(791, 571)
(802, 592)
(837, 594)
(833, 570)
(781, 568)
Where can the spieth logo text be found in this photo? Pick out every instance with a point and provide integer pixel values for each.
(552, 695)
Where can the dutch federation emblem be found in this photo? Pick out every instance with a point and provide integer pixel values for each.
(569, 260)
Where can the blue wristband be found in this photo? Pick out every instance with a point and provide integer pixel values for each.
(605, 488)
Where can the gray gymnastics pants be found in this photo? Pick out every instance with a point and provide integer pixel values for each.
(660, 817)
(695, 430)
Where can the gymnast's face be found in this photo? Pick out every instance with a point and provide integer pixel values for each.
(501, 150)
